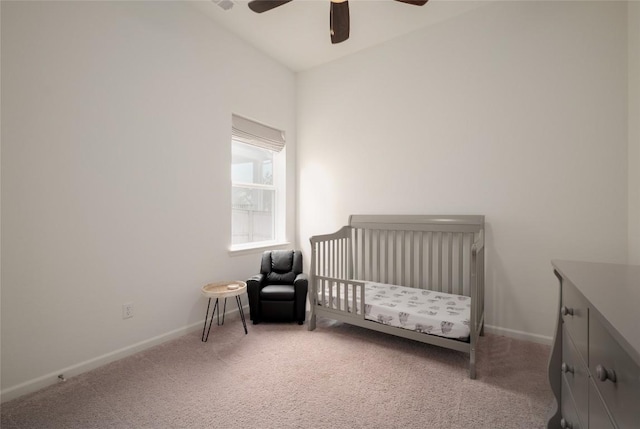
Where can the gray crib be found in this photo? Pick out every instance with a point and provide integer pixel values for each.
(430, 254)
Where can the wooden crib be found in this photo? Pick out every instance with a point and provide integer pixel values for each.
(436, 256)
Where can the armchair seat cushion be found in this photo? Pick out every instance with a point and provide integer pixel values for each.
(278, 293)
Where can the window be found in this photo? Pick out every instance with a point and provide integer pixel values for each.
(257, 192)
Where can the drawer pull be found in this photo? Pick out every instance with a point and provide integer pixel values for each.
(565, 424)
(566, 368)
(605, 374)
(566, 310)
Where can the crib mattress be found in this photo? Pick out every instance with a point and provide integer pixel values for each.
(436, 313)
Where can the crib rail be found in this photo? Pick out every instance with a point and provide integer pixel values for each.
(330, 254)
(340, 296)
(439, 253)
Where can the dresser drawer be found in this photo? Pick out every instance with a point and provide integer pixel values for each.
(569, 416)
(574, 310)
(615, 375)
(576, 377)
(598, 416)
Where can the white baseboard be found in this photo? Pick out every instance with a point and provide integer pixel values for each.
(519, 335)
(82, 367)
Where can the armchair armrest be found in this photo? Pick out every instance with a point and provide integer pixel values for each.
(256, 280)
(301, 280)
(301, 284)
(254, 284)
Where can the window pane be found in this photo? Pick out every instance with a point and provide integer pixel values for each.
(251, 164)
(252, 215)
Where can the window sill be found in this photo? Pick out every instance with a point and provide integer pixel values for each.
(244, 249)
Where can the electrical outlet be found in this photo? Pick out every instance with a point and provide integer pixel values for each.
(127, 310)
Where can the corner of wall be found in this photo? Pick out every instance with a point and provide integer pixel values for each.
(633, 58)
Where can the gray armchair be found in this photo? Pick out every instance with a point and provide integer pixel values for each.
(279, 292)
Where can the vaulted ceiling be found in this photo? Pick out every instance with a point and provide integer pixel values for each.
(297, 33)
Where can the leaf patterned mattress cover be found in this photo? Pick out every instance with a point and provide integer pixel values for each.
(436, 313)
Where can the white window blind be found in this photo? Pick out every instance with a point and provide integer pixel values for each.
(257, 134)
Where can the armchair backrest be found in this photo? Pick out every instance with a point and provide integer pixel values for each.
(281, 266)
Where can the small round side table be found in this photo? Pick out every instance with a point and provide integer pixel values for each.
(223, 290)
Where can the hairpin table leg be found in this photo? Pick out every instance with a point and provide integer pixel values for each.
(241, 311)
(211, 321)
(206, 316)
(223, 313)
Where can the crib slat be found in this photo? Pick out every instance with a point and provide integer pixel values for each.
(346, 299)
(395, 278)
(352, 273)
(402, 259)
(460, 261)
(378, 255)
(440, 261)
(450, 263)
(421, 261)
(355, 253)
(339, 258)
(363, 271)
(325, 264)
(387, 258)
(343, 246)
(371, 233)
(331, 258)
(429, 260)
(365, 253)
(319, 256)
(345, 256)
(411, 257)
(321, 259)
(358, 254)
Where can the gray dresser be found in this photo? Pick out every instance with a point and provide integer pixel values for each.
(594, 367)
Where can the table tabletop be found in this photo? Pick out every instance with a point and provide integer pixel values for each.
(222, 290)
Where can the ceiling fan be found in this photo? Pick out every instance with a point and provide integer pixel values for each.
(338, 14)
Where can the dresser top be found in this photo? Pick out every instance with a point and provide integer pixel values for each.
(614, 292)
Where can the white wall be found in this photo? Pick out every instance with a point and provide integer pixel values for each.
(633, 20)
(516, 110)
(116, 156)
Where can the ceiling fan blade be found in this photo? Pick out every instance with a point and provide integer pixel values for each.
(414, 2)
(339, 21)
(259, 6)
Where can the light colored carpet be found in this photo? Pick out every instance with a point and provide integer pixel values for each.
(283, 376)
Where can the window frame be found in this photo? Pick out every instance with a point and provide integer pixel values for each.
(278, 186)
